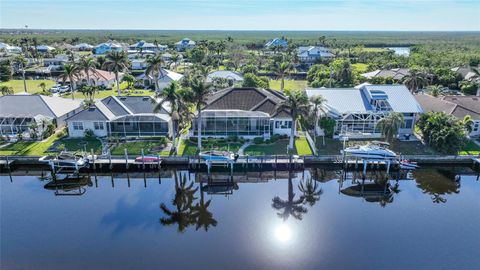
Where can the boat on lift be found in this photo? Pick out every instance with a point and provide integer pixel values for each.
(373, 150)
(218, 156)
(65, 160)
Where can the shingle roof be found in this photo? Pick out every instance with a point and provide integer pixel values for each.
(247, 99)
(32, 105)
(458, 106)
(114, 107)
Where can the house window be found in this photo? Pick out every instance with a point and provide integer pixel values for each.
(283, 124)
(77, 125)
(98, 126)
(476, 126)
(408, 123)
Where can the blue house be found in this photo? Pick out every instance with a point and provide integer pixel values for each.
(277, 42)
(107, 47)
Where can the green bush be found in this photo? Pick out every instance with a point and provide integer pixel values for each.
(233, 138)
(258, 140)
(88, 133)
(328, 125)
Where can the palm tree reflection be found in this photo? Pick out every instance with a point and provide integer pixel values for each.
(202, 216)
(185, 213)
(291, 206)
(310, 192)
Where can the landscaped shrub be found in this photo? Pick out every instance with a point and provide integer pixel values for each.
(88, 133)
(233, 138)
(258, 140)
(328, 125)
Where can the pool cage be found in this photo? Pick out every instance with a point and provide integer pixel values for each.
(358, 124)
(146, 125)
(225, 123)
(15, 125)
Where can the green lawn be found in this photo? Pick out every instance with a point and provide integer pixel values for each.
(81, 144)
(189, 147)
(135, 148)
(113, 92)
(360, 67)
(39, 148)
(32, 85)
(302, 146)
(470, 149)
(333, 147)
(277, 148)
(289, 84)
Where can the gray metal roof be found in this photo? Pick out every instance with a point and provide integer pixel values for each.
(33, 105)
(349, 100)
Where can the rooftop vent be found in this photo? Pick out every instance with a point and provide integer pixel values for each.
(123, 98)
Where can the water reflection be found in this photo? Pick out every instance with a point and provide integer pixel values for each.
(261, 224)
(291, 206)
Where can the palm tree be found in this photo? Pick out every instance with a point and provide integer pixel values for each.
(415, 80)
(154, 69)
(70, 72)
(174, 60)
(291, 206)
(310, 192)
(87, 65)
(344, 72)
(199, 90)
(468, 123)
(203, 217)
(20, 62)
(435, 90)
(282, 69)
(43, 86)
(6, 90)
(175, 99)
(390, 124)
(116, 62)
(295, 104)
(89, 92)
(317, 102)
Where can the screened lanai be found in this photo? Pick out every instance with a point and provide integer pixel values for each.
(358, 124)
(233, 123)
(13, 125)
(143, 125)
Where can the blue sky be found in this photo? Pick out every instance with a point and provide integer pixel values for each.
(443, 15)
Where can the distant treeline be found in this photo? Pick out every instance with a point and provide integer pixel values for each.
(248, 38)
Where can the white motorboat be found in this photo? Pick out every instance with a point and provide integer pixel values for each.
(370, 151)
(218, 155)
(65, 160)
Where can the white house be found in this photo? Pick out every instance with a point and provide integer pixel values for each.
(146, 47)
(231, 76)
(244, 112)
(358, 110)
(312, 54)
(138, 64)
(83, 47)
(124, 116)
(45, 48)
(166, 78)
(9, 49)
(185, 44)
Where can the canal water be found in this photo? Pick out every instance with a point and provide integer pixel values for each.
(401, 51)
(316, 219)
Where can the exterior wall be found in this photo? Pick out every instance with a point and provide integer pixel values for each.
(476, 129)
(410, 122)
(87, 125)
(282, 126)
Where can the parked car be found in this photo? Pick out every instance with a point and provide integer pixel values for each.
(55, 88)
(64, 89)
